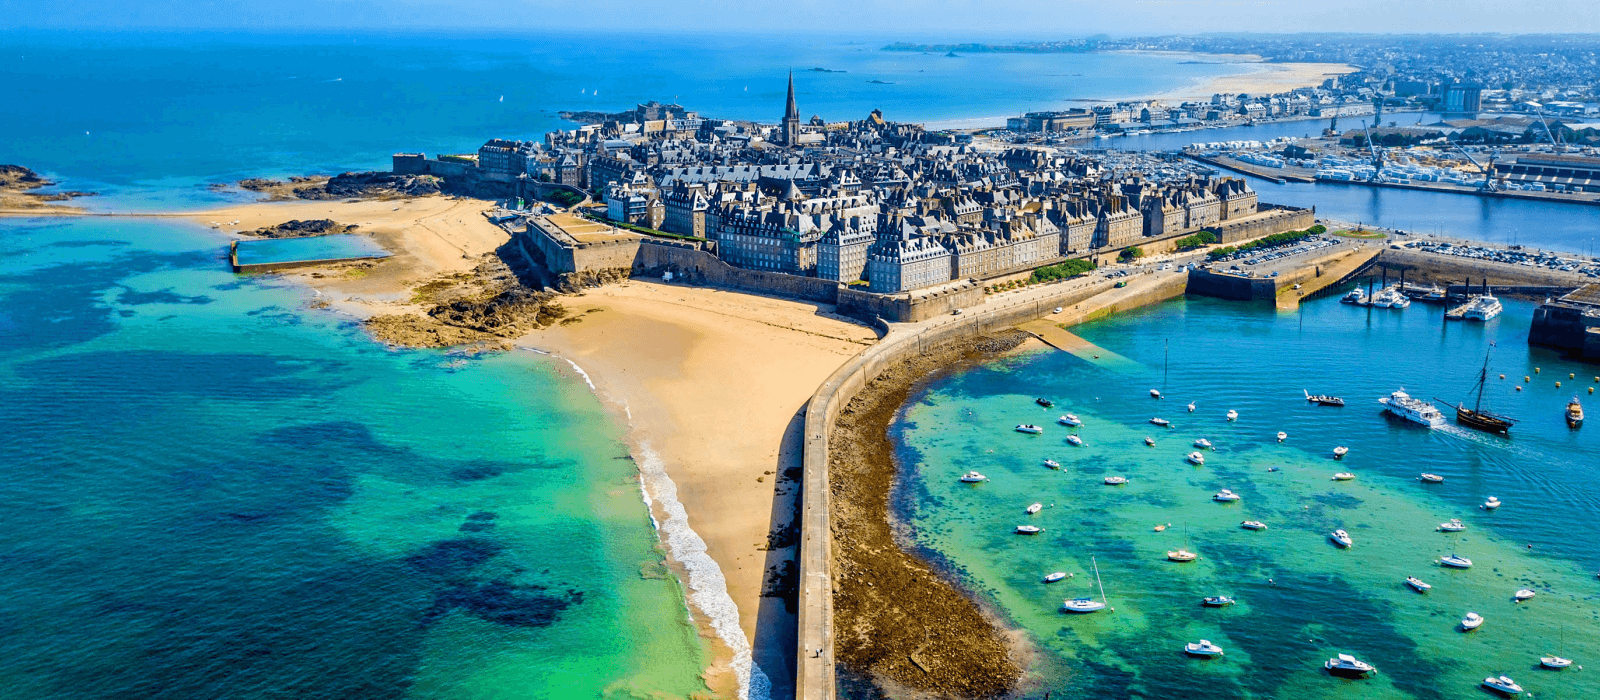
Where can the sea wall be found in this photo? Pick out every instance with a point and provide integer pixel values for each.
(1432, 268)
(1272, 218)
(815, 678)
(687, 262)
(909, 307)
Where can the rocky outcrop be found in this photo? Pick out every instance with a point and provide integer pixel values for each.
(574, 282)
(370, 185)
(488, 305)
(296, 228)
(16, 191)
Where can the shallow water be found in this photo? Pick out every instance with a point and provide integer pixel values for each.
(212, 493)
(278, 250)
(1301, 599)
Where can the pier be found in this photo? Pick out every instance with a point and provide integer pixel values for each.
(1276, 175)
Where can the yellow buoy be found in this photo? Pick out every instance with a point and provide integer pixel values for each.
(1570, 375)
(1502, 376)
(1519, 388)
(1527, 378)
(1558, 385)
(1536, 370)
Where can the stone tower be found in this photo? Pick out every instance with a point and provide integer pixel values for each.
(791, 118)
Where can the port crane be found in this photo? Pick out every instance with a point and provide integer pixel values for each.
(1488, 184)
(1555, 142)
(1377, 155)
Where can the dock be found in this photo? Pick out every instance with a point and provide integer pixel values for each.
(1068, 342)
(1276, 175)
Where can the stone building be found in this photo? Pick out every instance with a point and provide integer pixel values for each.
(903, 262)
(1118, 225)
(1237, 198)
(842, 253)
(686, 207)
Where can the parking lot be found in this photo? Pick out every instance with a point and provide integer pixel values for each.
(1268, 263)
(1511, 256)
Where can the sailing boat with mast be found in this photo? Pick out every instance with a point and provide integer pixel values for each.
(1088, 605)
(1165, 355)
(1556, 661)
(1477, 417)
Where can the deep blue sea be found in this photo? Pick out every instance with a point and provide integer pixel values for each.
(213, 491)
(1301, 600)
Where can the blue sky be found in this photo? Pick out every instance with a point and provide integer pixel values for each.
(884, 18)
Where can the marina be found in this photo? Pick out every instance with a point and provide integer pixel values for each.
(1283, 582)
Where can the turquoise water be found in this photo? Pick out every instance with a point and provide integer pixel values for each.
(1301, 599)
(281, 250)
(212, 494)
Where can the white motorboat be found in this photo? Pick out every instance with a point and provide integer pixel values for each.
(1088, 605)
(1233, 415)
(1554, 662)
(1432, 478)
(1217, 601)
(1202, 648)
(1150, 441)
(1503, 684)
(1346, 663)
(1203, 444)
(1069, 420)
(1196, 458)
(1341, 538)
(1161, 422)
(1253, 525)
(1282, 436)
(1029, 529)
(973, 477)
(1155, 393)
(1116, 480)
(1035, 508)
(1057, 576)
(1455, 562)
(1182, 555)
(1340, 451)
(1482, 308)
(1524, 594)
(1471, 622)
(1491, 504)
(1225, 496)
(1029, 429)
(1416, 583)
(1401, 404)
(1191, 407)
(1455, 525)
(1075, 440)
(1356, 296)
(1343, 476)
(1052, 464)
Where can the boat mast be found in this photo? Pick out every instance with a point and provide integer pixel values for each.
(1483, 378)
(1097, 579)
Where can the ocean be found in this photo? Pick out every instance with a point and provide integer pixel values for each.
(214, 491)
(1301, 600)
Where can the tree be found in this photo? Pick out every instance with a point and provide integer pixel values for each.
(1132, 253)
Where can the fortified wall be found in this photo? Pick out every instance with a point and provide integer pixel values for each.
(814, 675)
(1270, 219)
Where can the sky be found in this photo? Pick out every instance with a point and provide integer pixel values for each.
(953, 19)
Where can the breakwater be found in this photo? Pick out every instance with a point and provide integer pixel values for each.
(815, 677)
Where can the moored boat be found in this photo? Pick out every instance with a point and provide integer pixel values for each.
(1047, 403)
(1482, 308)
(1069, 420)
(1491, 504)
(1417, 584)
(1052, 464)
(1233, 415)
(1161, 422)
(1181, 555)
(1355, 296)
(1455, 561)
(1057, 576)
(1471, 622)
(1217, 601)
(1503, 684)
(1202, 648)
(1341, 538)
(1150, 441)
(1343, 476)
(1524, 594)
(1478, 417)
(1035, 508)
(1454, 525)
(1029, 529)
(1155, 393)
(1554, 662)
(1574, 413)
(1088, 605)
(1322, 399)
(1196, 458)
(1432, 478)
(973, 477)
(1116, 480)
(1029, 429)
(1253, 525)
(1203, 444)
(1191, 407)
(1340, 451)
(1348, 665)
(1282, 436)
(1075, 440)
(1225, 496)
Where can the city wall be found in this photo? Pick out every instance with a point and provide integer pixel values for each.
(1272, 218)
(910, 307)
(690, 264)
(815, 665)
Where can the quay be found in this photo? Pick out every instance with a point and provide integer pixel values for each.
(1276, 175)
(1590, 198)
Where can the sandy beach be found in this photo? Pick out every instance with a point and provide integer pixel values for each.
(712, 383)
(1259, 78)
(715, 383)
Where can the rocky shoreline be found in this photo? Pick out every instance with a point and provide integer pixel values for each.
(899, 622)
(488, 306)
(16, 192)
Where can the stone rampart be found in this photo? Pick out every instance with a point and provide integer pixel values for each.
(909, 307)
(814, 676)
(687, 262)
(1272, 218)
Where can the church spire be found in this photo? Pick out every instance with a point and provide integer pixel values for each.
(791, 110)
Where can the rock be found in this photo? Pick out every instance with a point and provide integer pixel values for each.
(295, 228)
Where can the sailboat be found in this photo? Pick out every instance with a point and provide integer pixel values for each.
(1476, 417)
(1088, 605)
(1556, 661)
